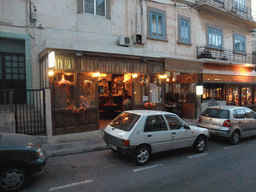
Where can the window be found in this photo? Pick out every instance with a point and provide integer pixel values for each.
(173, 122)
(214, 38)
(156, 23)
(125, 121)
(94, 7)
(155, 123)
(216, 113)
(240, 4)
(239, 114)
(184, 30)
(239, 44)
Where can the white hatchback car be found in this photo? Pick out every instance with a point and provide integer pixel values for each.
(139, 133)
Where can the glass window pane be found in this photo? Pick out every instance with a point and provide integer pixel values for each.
(14, 58)
(8, 76)
(15, 76)
(89, 6)
(160, 25)
(8, 70)
(100, 7)
(22, 64)
(21, 59)
(22, 70)
(15, 70)
(153, 24)
(215, 38)
(15, 64)
(22, 76)
(7, 58)
(8, 64)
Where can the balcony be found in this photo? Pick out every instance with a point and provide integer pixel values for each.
(226, 56)
(227, 9)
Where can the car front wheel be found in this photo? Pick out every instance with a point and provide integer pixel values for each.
(12, 179)
(200, 144)
(141, 155)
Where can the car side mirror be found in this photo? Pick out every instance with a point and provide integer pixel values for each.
(186, 127)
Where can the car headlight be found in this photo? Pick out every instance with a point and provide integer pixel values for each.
(41, 153)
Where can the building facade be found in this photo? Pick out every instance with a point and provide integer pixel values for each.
(106, 50)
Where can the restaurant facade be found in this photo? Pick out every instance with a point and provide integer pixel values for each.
(104, 80)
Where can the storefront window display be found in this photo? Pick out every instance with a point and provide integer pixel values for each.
(71, 90)
(246, 95)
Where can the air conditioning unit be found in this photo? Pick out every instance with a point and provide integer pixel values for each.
(40, 25)
(124, 41)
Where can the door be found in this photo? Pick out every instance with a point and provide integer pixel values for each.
(157, 134)
(13, 76)
(181, 137)
(241, 121)
(251, 116)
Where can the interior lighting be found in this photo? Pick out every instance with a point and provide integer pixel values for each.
(134, 75)
(97, 74)
(50, 73)
(51, 59)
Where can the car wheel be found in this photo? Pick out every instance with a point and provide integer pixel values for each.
(235, 138)
(200, 144)
(141, 155)
(12, 179)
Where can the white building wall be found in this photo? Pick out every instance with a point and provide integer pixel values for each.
(64, 28)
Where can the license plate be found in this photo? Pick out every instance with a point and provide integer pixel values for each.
(112, 146)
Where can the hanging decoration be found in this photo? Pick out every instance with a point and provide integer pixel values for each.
(87, 83)
(63, 82)
(142, 82)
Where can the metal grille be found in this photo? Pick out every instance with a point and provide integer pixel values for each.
(30, 116)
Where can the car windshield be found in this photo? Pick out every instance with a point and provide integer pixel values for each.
(125, 121)
(216, 113)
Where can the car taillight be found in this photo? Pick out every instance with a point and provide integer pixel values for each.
(126, 143)
(200, 120)
(227, 123)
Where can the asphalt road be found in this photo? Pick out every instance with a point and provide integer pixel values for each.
(221, 167)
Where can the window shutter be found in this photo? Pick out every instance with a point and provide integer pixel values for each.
(80, 6)
(108, 9)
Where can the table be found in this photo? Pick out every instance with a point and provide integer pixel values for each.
(109, 110)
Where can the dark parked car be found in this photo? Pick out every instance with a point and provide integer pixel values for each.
(21, 157)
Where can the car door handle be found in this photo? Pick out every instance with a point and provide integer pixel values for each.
(173, 133)
(149, 135)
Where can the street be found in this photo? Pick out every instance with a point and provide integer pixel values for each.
(221, 167)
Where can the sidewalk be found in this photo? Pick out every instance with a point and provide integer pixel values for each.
(94, 143)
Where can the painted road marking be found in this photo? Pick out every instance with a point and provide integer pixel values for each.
(229, 147)
(71, 185)
(200, 155)
(145, 168)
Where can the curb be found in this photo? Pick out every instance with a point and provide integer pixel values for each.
(76, 151)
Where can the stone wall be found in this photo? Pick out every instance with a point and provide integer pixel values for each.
(7, 122)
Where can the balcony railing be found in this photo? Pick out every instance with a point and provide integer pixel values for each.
(230, 6)
(204, 52)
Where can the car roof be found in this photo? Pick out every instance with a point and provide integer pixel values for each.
(228, 107)
(148, 112)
